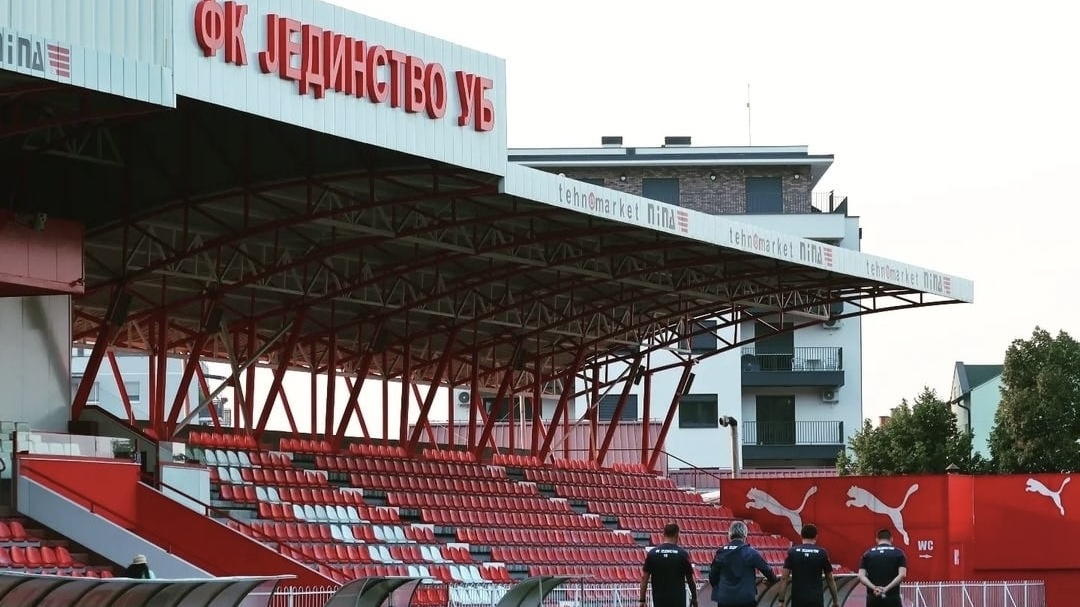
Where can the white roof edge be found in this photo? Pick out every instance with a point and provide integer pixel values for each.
(675, 149)
(722, 230)
(623, 161)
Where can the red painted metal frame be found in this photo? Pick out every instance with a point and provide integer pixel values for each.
(425, 351)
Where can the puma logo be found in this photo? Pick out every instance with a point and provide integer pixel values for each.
(1034, 486)
(759, 500)
(861, 498)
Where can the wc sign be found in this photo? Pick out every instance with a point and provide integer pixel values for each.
(925, 545)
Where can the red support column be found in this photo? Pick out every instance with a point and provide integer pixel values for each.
(279, 373)
(489, 424)
(436, 379)
(450, 405)
(562, 408)
(204, 392)
(124, 397)
(331, 381)
(646, 414)
(288, 412)
(403, 404)
(249, 389)
(385, 400)
(684, 383)
(162, 355)
(474, 403)
(353, 404)
(313, 396)
(631, 378)
(537, 409)
(213, 322)
(590, 412)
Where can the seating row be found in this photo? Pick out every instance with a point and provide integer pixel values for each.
(408, 467)
(622, 494)
(449, 455)
(250, 494)
(599, 479)
(311, 514)
(12, 531)
(88, 572)
(242, 459)
(447, 574)
(35, 557)
(531, 555)
(267, 476)
(316, 532)
(495, 536)
(649, 524)
(715, 540)
(353, 534)
(660, 510)
(627, 573)
(519, 520)
(477, 502)
(440, 485)
(381, 554)
(223, 440)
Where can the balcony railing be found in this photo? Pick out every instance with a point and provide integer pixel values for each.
(805, 359)
(793, 433)
(734, 203)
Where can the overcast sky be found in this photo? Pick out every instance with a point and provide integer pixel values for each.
(954, 126)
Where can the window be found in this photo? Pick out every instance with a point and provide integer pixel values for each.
(699, 411)
(664, 189)
(93, 398)
(606, 408)
(764, 195)
(501, 411)
(133, 389)
(704, 342)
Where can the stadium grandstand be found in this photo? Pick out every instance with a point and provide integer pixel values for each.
(321, 192)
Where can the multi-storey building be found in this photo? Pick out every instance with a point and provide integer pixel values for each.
(135, 370)
(975, 396)
(797, 396)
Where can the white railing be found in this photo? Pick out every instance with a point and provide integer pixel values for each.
(975, 594)
(298, 596)
(584, 594)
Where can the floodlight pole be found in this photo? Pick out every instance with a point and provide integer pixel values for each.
(730, 422)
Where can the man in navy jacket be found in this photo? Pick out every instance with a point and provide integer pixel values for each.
(733, 571)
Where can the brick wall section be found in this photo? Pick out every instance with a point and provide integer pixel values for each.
(724, 196)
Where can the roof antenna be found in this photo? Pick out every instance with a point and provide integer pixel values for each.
(749, 136)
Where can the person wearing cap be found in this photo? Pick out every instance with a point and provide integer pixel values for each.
(732, 572)
(881, 570)
(669, 568)
(806, 566)
(139, 569)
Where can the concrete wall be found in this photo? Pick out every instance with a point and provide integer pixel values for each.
(35, 347)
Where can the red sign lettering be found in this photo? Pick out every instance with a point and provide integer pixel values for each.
(219, 27)
(321, 61)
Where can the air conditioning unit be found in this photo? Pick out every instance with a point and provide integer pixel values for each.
(831, 324)
(463, 398)
(830, 395)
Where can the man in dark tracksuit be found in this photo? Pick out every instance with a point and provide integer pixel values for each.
(881, 570)
(669, 568)
(732, 573)
(807, 565)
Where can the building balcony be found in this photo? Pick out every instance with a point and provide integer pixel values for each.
(804, 367)
(804, 441)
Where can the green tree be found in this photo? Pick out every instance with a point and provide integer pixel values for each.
(1037, 423)
(922, 437)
